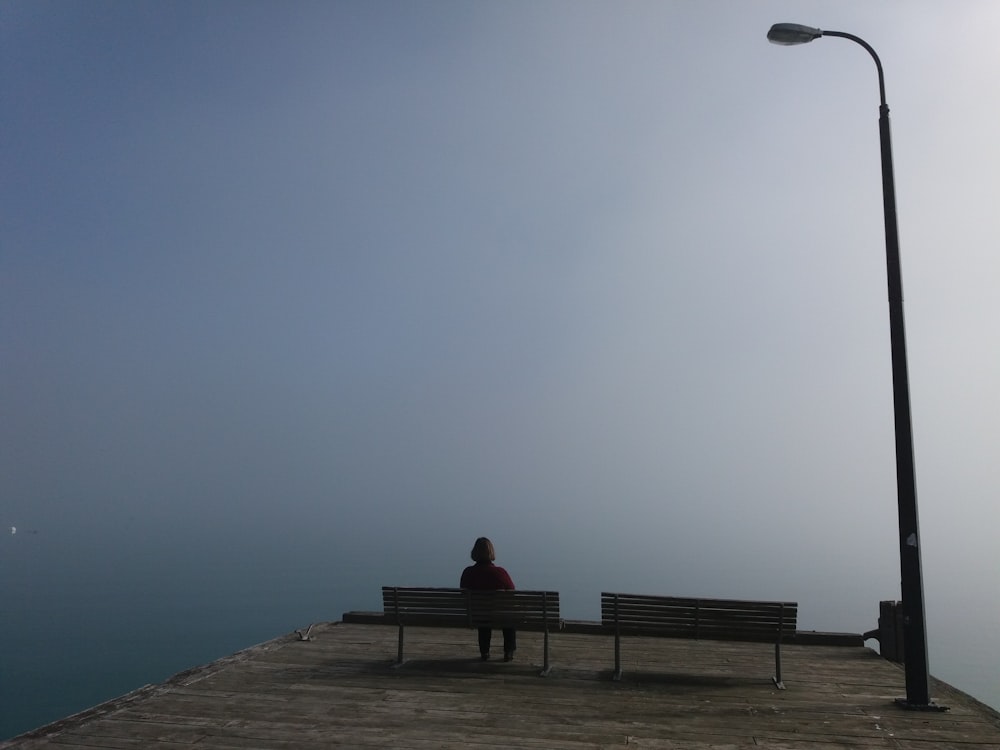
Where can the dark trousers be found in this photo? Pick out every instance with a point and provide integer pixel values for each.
(509, 639)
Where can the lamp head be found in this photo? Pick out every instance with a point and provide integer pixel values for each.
(792, 33)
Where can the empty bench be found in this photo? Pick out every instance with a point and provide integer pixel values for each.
(462, 608)
(704, 619)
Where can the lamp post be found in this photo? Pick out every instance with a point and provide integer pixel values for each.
(911, 582)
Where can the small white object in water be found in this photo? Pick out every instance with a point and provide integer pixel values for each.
(13, 529)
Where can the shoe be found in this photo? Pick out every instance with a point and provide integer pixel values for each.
(508, 656)
(484, 656)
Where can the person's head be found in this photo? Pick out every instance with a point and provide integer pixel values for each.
(482, 550)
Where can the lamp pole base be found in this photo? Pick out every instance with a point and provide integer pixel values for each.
(907, 706)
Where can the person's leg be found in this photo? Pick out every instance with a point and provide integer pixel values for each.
(485, 636)
(509, 643)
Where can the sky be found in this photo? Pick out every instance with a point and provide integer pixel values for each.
(603, 281)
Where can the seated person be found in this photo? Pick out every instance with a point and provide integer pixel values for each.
(485, 576)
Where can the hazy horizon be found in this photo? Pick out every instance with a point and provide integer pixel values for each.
(341, 286)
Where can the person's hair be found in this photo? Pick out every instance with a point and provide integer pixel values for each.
(482, 550)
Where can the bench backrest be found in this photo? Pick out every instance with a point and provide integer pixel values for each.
(442, 607)
(710, 619)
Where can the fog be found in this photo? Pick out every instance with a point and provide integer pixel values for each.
(315, 294)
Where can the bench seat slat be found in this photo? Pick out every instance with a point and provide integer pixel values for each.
(714, 614)
(719, 634)
(735, 607)
(773, 626)
(688, 600)
(692, 604)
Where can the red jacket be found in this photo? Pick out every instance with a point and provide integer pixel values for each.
(485, 576)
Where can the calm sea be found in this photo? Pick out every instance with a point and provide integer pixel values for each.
(86, 620)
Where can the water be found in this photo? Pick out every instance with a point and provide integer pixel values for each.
(88, 617)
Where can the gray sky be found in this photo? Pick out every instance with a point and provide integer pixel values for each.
(604, 281)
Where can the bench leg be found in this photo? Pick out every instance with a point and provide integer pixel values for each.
(399, 649)
(777, 667)
(545, 665)
(618, 658)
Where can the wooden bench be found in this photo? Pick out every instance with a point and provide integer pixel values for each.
(462, 608)
(706, 619)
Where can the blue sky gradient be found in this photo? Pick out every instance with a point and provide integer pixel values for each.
(604, 281)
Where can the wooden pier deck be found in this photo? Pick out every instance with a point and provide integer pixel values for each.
(338, 690)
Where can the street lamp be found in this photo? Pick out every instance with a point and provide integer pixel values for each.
(914, 631)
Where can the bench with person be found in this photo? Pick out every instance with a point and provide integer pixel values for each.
(465, 608)
(703, 619)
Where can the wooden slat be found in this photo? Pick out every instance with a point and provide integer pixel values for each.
(733, 617)
(692, 604)
(714, 635)
(704, 603)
